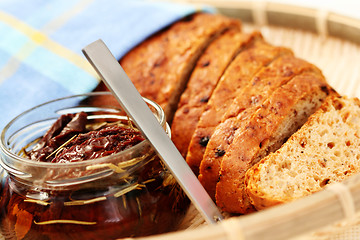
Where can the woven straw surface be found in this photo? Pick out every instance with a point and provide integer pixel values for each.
(339, 60)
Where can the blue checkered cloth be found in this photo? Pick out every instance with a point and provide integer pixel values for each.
(41, 42)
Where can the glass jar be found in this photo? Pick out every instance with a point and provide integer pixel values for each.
(127, 194)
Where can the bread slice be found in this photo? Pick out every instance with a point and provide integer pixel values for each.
(236, 76)
(161, 65)
(279, 72)
(325, 150)
(276, 120)
(203, 80)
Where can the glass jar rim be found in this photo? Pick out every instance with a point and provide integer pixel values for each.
(5, 150)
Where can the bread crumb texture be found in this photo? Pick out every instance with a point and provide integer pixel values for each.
(323, 151)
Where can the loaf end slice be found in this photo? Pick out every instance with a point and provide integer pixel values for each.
(325, 150)
(161, 65)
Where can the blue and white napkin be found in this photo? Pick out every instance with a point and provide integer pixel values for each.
(41, 42)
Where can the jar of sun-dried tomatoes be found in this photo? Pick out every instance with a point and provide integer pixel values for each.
(70, 174)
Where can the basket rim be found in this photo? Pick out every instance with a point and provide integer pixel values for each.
(261, 13)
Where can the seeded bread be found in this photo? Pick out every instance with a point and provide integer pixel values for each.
(237, 75)
(325, 150)
(161, 65)
(203, 80)
(236, 105)
(279, 72)
(276, 120)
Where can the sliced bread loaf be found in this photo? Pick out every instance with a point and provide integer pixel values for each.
(161, 65)
(279, 72)
(325, 150)
(275, 120)
(237, 75)
(203, 80)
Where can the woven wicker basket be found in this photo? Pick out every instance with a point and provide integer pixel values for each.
(331, 42)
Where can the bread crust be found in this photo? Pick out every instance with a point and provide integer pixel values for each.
(161, 65)
(279, 72)
(237, 75)
(265, 131)
(203, 80)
